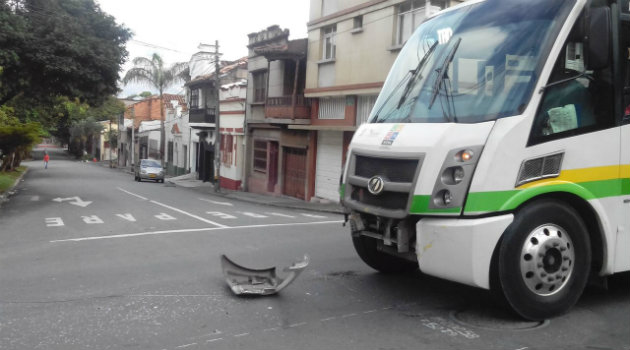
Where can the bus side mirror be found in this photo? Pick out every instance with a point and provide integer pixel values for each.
(598, 38)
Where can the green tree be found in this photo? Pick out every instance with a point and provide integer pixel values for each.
(153, 73)
(83, 135)
(53, 48)
(16, 139)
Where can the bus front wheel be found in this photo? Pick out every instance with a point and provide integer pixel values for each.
(544, 260)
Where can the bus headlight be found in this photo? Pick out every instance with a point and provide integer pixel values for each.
(455, 177)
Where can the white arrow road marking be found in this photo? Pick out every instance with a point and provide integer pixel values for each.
(253, 215)
(193, 230)
(52, 222)
(221, 215)
(215, 202)
(281, 215)
(77, 201)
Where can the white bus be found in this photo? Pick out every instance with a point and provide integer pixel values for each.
(497, 154)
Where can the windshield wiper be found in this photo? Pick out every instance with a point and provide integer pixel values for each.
(412, 77)
(415, 74)
(442, 73)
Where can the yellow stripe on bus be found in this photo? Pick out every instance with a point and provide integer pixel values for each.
(611, 172)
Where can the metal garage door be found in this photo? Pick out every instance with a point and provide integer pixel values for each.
(329, 148)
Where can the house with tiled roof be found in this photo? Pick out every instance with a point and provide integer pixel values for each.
(141, 128)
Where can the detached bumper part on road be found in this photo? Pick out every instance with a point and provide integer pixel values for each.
(467, 245)
(246, 281)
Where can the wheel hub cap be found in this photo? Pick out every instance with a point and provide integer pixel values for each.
(547, 259)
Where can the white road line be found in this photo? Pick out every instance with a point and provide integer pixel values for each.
(189, 214)
(328, 319)
(240, 335)
(314, 216)
(215, 202)
(271, 329)
(369, 311)
(127, 235)
(133, 194)
(213, 340)
(348, 315)
(185, 346)
(297, 324)
(253, 215)
(281, 215)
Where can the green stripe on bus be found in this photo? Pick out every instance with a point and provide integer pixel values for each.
(420, 205)
(509, 200)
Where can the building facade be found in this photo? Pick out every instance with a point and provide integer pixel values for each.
(206, 105)
(352, 44)
(279, 158)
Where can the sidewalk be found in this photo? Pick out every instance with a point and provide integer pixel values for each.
(190, 181)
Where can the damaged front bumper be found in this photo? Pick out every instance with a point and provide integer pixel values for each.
(246, 281)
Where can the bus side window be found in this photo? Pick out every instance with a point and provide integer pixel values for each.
(574, 104)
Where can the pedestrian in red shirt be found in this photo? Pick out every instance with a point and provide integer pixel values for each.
(46, 159)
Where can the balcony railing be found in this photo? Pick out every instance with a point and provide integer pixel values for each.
(203, 115)
(282, 107)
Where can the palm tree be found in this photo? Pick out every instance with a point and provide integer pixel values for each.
(153, 73)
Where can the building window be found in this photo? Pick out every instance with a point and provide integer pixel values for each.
(410, 15)
(260, 86)
(357, 22)
(260, 156)
(194, 98)
(332, 108)
(329, 51)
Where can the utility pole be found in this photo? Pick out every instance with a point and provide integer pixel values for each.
(133, 145)
(217, 139)
(109, 136)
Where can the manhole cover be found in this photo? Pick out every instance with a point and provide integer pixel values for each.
(494, 319)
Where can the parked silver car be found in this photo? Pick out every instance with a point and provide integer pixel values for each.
(149, 169)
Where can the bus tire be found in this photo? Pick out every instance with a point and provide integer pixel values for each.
(366, 247)
(544, 260)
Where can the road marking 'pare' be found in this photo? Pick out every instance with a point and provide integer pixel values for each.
(52, 222)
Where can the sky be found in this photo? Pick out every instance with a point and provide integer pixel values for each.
(174, 29)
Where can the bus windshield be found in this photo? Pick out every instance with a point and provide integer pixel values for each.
(472, 64)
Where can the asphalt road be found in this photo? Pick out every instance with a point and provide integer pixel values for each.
(90, 259)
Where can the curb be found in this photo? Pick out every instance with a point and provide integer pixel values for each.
(269, 203)
(9, 192)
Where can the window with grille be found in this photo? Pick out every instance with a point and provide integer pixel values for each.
(260, 156)
(332, 108)
(194, 98)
